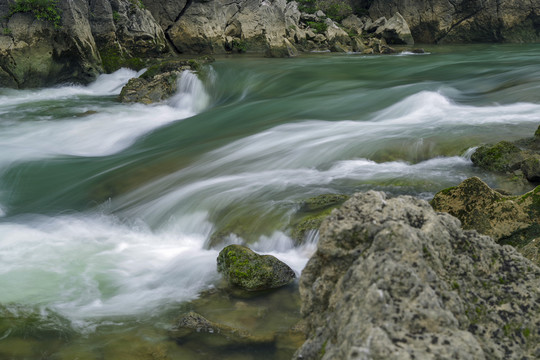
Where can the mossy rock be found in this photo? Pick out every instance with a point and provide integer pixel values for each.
(244, 268)
(312, 212)
(512, 220)
(323, 202)
(501, 157)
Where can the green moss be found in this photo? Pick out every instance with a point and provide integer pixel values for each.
(137, 3)
(322, 202)
(46, 10)
(115, 16)
(537, 132)
(239, 45)
(248, 270)
(6, 31)
(500, 157)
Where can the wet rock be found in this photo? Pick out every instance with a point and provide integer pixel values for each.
(393, 279)
(250, 271)
(513, 220)
(194, 323)
(505, 157)
(159, 82)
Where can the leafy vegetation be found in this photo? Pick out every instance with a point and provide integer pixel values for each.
(137, 3)
(46, 10)
(318, 26)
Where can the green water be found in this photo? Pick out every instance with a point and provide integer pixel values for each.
(107, 209)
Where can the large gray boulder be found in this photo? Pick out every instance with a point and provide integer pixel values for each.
(393, 279)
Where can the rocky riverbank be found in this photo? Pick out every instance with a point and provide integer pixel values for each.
(393, 279)
(56, 41)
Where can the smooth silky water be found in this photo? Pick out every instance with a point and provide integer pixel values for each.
(107, 209)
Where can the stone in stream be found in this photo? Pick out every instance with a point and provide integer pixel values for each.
(159, 82)
(244, 268)
(393, 279)
(513, 220)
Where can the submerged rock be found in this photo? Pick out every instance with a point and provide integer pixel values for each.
(244, 268)
(195, 323)
(513, 220)
(393, 279)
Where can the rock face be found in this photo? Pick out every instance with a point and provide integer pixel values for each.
(511, 220)
(447, 21)
(250, 271)
(220, 26)
(393, 279)
(90, 36)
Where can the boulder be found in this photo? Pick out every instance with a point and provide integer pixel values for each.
(393, 279)
(505, 157)
(396, 31)
(511, 220)
(159, 82)
(250, 271)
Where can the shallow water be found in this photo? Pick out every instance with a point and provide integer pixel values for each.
(107, 209)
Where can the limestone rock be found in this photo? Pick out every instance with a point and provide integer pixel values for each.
(393, 279)
(90, 36)
(447, 21)
(261, 26)
(248, 270)
(511, 220)
(396, 31)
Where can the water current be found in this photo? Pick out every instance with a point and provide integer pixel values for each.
(107, 210)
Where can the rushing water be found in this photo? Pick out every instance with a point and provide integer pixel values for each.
(107, 209)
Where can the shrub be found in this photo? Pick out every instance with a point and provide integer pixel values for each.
(319, 26)
(46, 10)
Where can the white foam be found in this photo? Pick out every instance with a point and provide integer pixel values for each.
(107, 131)
(92, 266)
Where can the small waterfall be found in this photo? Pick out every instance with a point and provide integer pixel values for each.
(191, 94)
(469, 152)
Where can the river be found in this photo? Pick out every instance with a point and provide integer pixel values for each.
(107, 209)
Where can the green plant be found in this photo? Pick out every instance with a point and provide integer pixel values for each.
(6, 31)
(318, 26)
(137, 3)
(46, 10)
(115, 16)
(239, 45)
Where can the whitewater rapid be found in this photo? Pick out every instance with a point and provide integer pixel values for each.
(147, 248)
